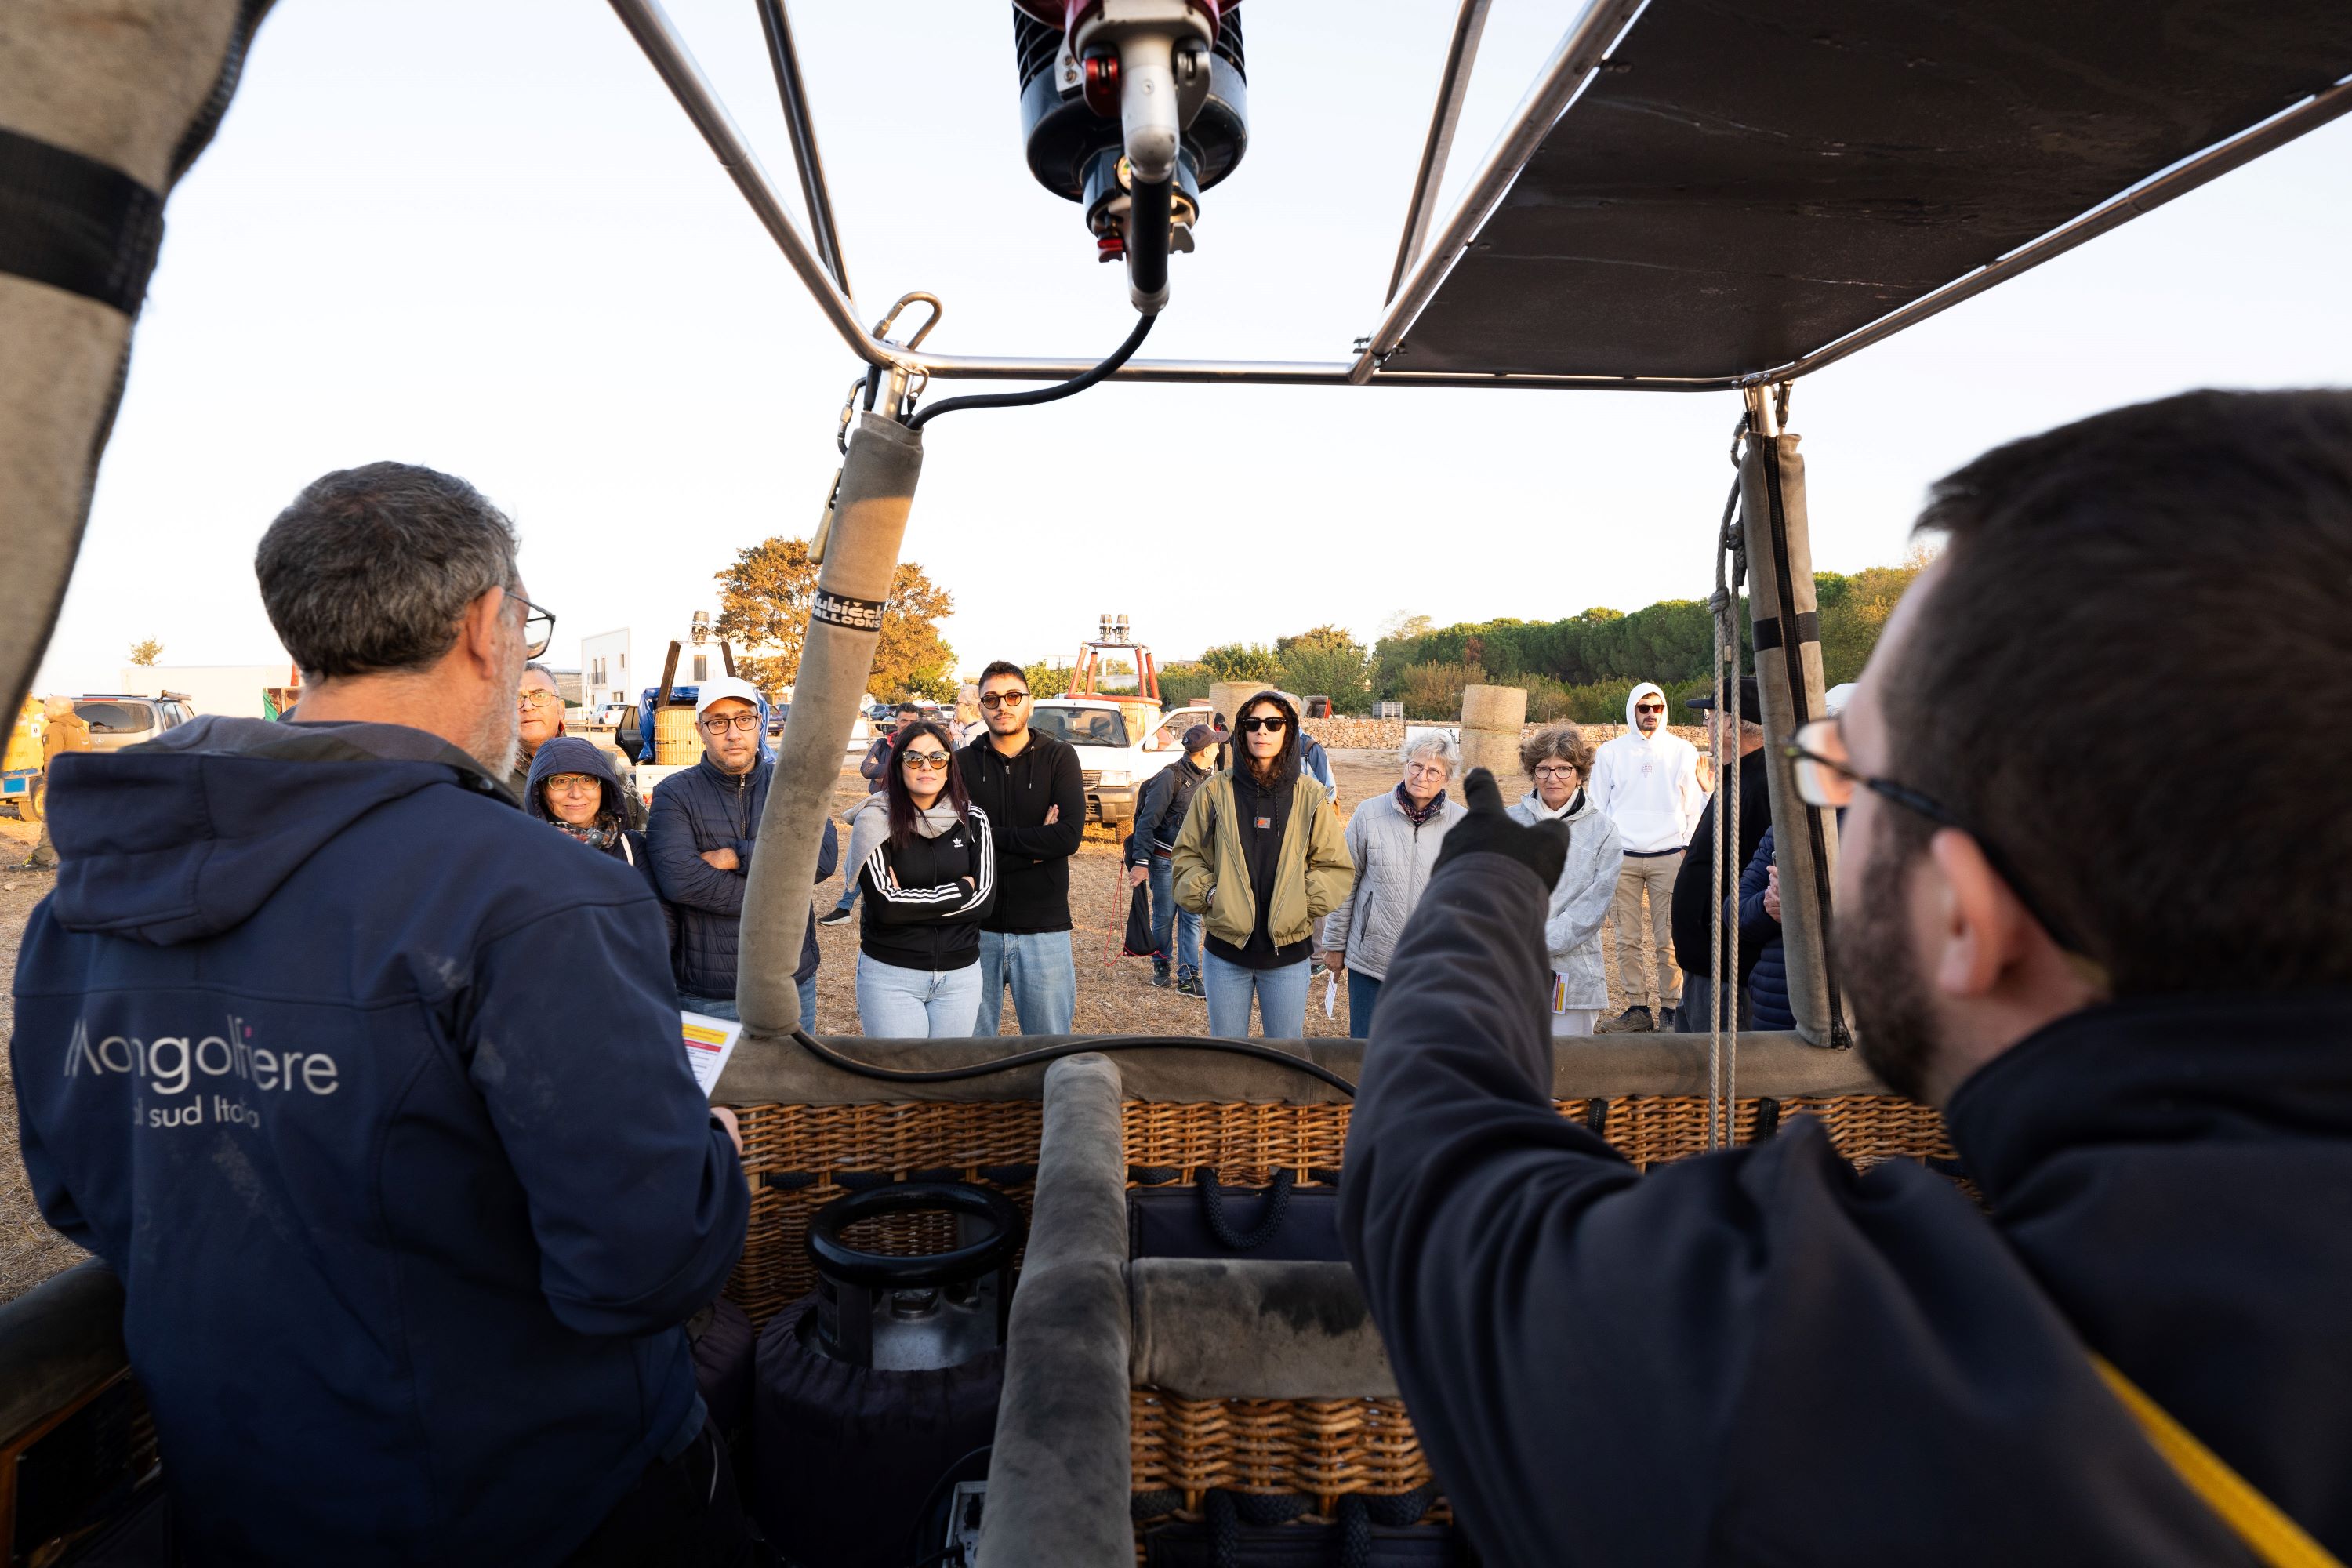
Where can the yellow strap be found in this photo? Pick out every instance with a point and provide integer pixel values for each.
(2274, 1538)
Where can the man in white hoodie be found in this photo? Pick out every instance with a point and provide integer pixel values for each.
(1646, 781)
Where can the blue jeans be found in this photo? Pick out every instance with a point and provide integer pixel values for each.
(896, 1003)
(1038, 964)
(724, 1006)
(1363, 995)
(1281, 998)
(848, 899)
(1166, 918)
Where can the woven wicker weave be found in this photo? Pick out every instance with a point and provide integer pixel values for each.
(802, 1157)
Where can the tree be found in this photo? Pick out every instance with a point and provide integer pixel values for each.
(145, 652)
(1327, 661)
(1404, 627)
(763, 611)
(911, 660)
(1853, 615)
(1241, 661)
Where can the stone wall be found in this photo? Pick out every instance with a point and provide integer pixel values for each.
(1387, 734)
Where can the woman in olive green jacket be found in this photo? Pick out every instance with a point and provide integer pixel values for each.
(1262, 859)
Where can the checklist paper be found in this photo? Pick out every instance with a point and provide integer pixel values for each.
(709, 1043)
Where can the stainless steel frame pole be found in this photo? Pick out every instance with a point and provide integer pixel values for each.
(800, 125)
(1787, 636)
(870, 523)
(1453, 87)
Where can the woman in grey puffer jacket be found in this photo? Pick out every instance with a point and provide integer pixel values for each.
(1393, 840)
(1558, 759)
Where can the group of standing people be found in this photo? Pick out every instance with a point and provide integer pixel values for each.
(961, 851)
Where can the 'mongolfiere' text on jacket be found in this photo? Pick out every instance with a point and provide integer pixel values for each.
(371, 1089)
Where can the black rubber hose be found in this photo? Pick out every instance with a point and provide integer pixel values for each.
(832, 1058)
(1059, 390)
(1150, 209)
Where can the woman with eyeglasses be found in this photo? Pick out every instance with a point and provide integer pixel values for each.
(573, 787)
(1262, 860)
(1393, 839)
(927, 871)
(1559, 759)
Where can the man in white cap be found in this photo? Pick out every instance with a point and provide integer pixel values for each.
(704, 824)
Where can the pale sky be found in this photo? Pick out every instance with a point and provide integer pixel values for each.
(479, 235)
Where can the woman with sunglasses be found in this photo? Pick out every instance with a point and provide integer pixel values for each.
(1261, 859)
(927, 871)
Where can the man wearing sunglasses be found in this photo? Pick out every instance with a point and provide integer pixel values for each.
(370, 1088)
(2122, 972)
(1646, 782)
(1034, 794)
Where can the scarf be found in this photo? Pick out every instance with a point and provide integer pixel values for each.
(1417, 815)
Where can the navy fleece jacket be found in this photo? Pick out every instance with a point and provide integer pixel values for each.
(1762, 1357)
(371, 1089)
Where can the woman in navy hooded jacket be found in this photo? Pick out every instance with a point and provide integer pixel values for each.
(573, 788)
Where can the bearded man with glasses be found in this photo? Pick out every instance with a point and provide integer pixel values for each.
(370, 1088)
(2123, 975)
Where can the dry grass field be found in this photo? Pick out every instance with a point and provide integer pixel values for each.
(1115, 994)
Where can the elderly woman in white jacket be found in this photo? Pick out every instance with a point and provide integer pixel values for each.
(1558, 759)
(1393, 839)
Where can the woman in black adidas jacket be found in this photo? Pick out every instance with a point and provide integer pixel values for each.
(923, 857)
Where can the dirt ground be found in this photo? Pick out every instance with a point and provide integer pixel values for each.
(29, 1250)
(1116, 995)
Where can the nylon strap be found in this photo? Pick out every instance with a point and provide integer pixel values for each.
(76, 223)
(2253, 1517)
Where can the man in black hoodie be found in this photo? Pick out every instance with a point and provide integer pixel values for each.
(1031, 786)
(2134, 1010)
(1694, 881)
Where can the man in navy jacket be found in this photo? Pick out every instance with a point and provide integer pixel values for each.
(702, 832)
(371, 1089)
(2131, 997)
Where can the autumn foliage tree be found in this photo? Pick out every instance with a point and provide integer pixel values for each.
(763, 612)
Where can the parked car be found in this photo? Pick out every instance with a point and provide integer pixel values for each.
(117, 718)
(1116, 762)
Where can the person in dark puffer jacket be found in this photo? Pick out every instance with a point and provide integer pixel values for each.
(928, 867)
(1759, 933)
(704, 825)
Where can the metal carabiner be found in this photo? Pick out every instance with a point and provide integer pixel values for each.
(882, 327)
(848, 413)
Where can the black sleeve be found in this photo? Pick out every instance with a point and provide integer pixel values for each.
(1757, 1356)
(952, 902)
(828, 850)
(1148, 812)
(1057, 840)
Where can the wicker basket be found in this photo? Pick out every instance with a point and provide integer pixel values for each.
(801, 1157)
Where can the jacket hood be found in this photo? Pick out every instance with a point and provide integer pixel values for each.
(184, 836)
(1286, 762)
(1647, 688)
(571, 754)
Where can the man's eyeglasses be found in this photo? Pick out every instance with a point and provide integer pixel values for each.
(1649, 707)
(1004, 699)
(538, 625)
(741, 723)
(1825, 780)
(925, 762)
(1272, 726)
(537, 700)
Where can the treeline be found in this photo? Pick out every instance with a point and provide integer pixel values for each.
(1577, 669)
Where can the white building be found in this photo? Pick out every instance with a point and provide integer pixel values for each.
(619, 665)
(239, 690)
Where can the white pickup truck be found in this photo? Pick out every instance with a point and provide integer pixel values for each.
(1116, 753)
